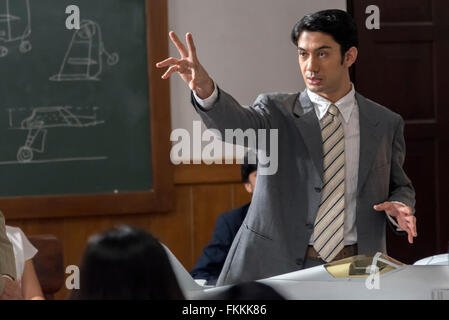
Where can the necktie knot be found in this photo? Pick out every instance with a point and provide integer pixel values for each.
(333, 110)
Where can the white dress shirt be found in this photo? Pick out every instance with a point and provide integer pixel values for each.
(209, 101)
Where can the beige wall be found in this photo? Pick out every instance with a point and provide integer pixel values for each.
(244, 44)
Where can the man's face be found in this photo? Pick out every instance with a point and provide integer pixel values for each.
(320, 60)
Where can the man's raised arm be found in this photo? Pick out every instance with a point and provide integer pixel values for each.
(218, 110)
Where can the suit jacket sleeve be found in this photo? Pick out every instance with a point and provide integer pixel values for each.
(401, 188)
(7, 260)
(227, 113)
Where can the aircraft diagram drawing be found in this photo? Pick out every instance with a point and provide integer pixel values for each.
(15, 25)
(44, 118)
(83, 60)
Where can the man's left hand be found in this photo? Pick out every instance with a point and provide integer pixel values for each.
(403, 215)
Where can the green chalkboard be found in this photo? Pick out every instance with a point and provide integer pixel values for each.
(74, 104)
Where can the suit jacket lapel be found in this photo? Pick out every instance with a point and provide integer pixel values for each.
(369, 139)
(307, 123)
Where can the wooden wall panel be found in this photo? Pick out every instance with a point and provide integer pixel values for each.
(175, 229)
(213, 173)
(241, 196)
(209, 201)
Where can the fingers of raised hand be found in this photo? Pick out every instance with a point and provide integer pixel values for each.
(167, 62)
(178, 44)
(191, 46)
(175, 65)
(170, 70)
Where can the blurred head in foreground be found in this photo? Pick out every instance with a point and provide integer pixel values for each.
(249, 291)
(126, 263)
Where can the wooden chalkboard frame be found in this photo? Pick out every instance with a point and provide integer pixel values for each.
(158, 199)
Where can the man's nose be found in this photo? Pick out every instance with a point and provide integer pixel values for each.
(312, 64)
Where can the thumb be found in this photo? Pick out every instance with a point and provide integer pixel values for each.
(380, 206)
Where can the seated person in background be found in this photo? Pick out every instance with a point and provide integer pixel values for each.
(126, 263)
(24, 252)
(210, 263)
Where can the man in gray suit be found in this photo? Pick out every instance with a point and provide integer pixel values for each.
(340, 175)
(7, 264)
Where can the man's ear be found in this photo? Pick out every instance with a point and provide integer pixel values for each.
(248, 187)
(350, 56)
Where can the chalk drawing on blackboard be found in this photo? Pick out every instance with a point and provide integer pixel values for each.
(43, 118)
(15, 25)
(83, 60)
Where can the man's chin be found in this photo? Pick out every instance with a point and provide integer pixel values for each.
(316, 89)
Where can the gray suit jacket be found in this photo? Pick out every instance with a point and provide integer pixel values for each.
(7, 260)
(275, 234)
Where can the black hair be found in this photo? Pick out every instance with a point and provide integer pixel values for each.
(337, 23)
(248, 166)
(126, 263)
(249, 291)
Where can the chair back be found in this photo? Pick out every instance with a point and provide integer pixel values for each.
(48, 263)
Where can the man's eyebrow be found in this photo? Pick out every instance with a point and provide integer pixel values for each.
(317, 49)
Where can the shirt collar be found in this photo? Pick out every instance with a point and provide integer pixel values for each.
(345, 105)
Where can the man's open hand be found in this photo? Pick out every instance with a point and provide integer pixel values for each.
(403, 215)
(188, 67)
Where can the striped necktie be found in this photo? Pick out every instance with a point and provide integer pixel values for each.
(328, 235)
